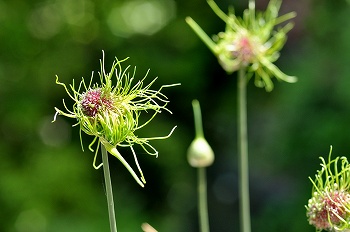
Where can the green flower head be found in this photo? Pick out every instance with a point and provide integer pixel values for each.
(250, 42)
(111, 113)
(329, 207)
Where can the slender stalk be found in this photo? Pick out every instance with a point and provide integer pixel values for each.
(202, 200)
(202, 35)
(197, 118)
(109, 191)
(243, 152)
(202, 179)
(115, 152)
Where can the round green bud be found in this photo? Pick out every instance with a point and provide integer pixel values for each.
(200, 154)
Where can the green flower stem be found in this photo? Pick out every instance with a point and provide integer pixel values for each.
(109, 191)
(202, 180)
(202, 200)
(243, 152)
(197, 118)
(115, 152)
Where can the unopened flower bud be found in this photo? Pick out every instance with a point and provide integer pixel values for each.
(199, 153)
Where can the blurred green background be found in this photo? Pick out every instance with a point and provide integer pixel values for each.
(47, 183)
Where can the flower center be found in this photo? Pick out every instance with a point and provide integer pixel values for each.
(332, 210)
(244, 50)
(92, 101)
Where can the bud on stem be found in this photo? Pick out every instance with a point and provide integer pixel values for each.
(199, 154)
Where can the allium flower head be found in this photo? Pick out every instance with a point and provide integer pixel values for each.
(111, 113)
(329, 207)
(250, 42)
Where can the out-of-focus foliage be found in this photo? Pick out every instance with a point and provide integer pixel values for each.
(48, 184)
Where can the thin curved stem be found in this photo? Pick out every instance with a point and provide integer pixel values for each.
(202, 179)
(243, 152)
(109, 191)
(201, 34)
(197, 118)
(202, 200)
(115, 152)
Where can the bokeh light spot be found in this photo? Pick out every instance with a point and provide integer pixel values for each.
(77, 12)
(141, 17)
(54, 134)
(31, 221)
(44, 21)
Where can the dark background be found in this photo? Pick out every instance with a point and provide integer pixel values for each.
(47, 183)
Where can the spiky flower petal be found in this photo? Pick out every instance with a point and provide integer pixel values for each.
(329, 207)
(250, 42)
(111, 113)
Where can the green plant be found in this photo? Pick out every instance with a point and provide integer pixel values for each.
(111, 114)
(200, 155)
(248, 45)
(329, 207)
